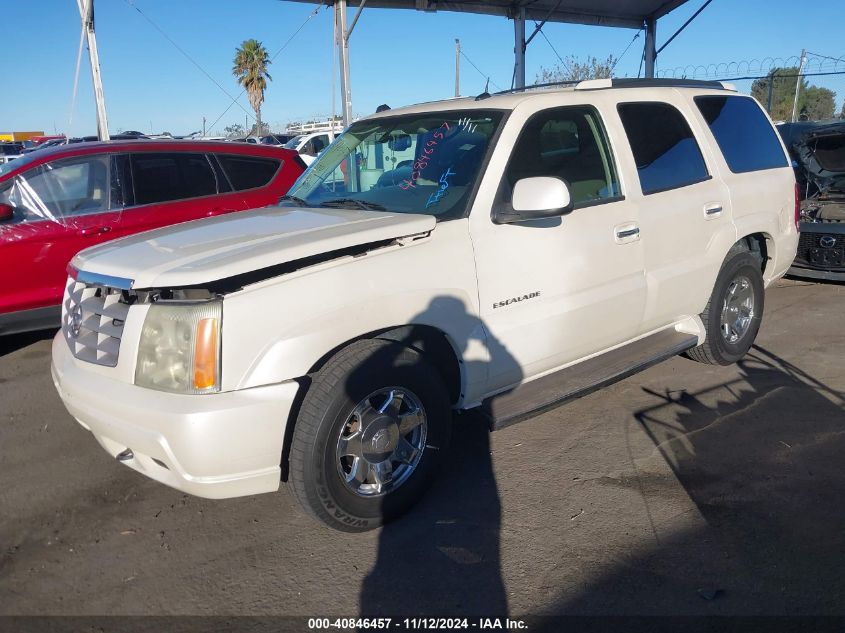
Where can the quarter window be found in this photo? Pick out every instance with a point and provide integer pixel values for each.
(665, 151)
(742, 132)
(248, 172)
(567, 143)
(165, 177)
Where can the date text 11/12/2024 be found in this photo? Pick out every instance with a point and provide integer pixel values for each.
(416, 624)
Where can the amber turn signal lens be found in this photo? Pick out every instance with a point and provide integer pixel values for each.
(205, 354)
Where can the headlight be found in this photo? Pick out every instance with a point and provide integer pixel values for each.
(180, 347)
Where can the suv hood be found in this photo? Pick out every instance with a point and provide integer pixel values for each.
(820, 153)
(208, 250)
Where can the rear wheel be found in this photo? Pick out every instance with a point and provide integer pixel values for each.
(369, 435)
(733, 315)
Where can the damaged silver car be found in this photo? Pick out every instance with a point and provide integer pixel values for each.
(818, 154)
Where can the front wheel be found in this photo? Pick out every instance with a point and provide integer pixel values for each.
(733, 315)
(369, 435)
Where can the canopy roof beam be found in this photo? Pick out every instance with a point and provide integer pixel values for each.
(634, 14)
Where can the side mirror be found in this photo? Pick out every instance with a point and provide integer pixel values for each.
(536, 199)
(7, 212)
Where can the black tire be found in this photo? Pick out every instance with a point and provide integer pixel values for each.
(345, 381)
(716, 349)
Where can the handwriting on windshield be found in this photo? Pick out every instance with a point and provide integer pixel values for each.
(425, 157)
(441, 190)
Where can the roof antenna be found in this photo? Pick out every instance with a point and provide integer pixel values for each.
(485, 94)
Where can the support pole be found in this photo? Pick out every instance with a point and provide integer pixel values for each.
(343, 59)
(798, 84)
(86, 13)
(650, 47)
(457, 67)
(519, 48)
(771, 92)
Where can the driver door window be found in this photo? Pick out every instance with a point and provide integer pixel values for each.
(62, 189)
(319, 143)
(566, 143)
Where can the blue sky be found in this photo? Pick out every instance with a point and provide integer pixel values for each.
(397, 57)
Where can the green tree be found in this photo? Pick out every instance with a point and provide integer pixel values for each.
(818, 103)
(236, 130)
(571, 69)
(260, 129)
(250, 69)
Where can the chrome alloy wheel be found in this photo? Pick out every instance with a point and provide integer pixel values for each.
(738, 309)
(381, 442)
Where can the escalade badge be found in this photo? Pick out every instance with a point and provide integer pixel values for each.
(507, 302)
(76, 321)
(827, 241)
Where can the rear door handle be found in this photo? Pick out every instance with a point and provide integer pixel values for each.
(96, 230)
(625, 233)
(712, 210)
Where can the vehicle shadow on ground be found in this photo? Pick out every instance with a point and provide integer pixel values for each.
(760, 456)
(13, 342)
(443, 556)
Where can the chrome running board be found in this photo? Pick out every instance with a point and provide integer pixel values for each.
(578, 380)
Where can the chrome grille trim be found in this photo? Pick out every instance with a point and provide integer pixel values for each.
(92, 321)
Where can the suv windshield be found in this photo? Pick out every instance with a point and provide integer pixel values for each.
(416, 163)
(291, 144)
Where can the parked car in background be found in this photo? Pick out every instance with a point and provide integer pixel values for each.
(276, 139)
(53, 142)
(55, 202)
(9, 151)
(39, 140)
(309, 146)
(113, 137)
(818, 154)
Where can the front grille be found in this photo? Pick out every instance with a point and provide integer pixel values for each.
(821, 250)
(813, 240)
(92, 322)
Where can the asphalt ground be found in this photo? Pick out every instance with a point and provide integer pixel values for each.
(683, 490)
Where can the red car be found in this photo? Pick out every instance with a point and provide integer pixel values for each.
(58, 201)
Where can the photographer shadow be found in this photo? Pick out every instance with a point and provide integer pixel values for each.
(442, 557)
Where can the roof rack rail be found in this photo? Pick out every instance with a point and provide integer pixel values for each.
(553, 84)
(626, 82)
(656, 82)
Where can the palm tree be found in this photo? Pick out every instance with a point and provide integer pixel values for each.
(251, 61)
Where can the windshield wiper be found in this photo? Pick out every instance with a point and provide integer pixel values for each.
(300, 202)
(343, 203)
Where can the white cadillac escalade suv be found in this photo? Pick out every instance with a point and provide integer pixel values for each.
(502, 252)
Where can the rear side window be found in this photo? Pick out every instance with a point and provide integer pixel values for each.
(665, 151)
(568, 143)
(742, 132)
(248, 172)
(176, 176)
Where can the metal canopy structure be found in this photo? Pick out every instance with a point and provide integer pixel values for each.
(624, 13)
(634, 14)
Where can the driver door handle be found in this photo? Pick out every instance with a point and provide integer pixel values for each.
(625, 233)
